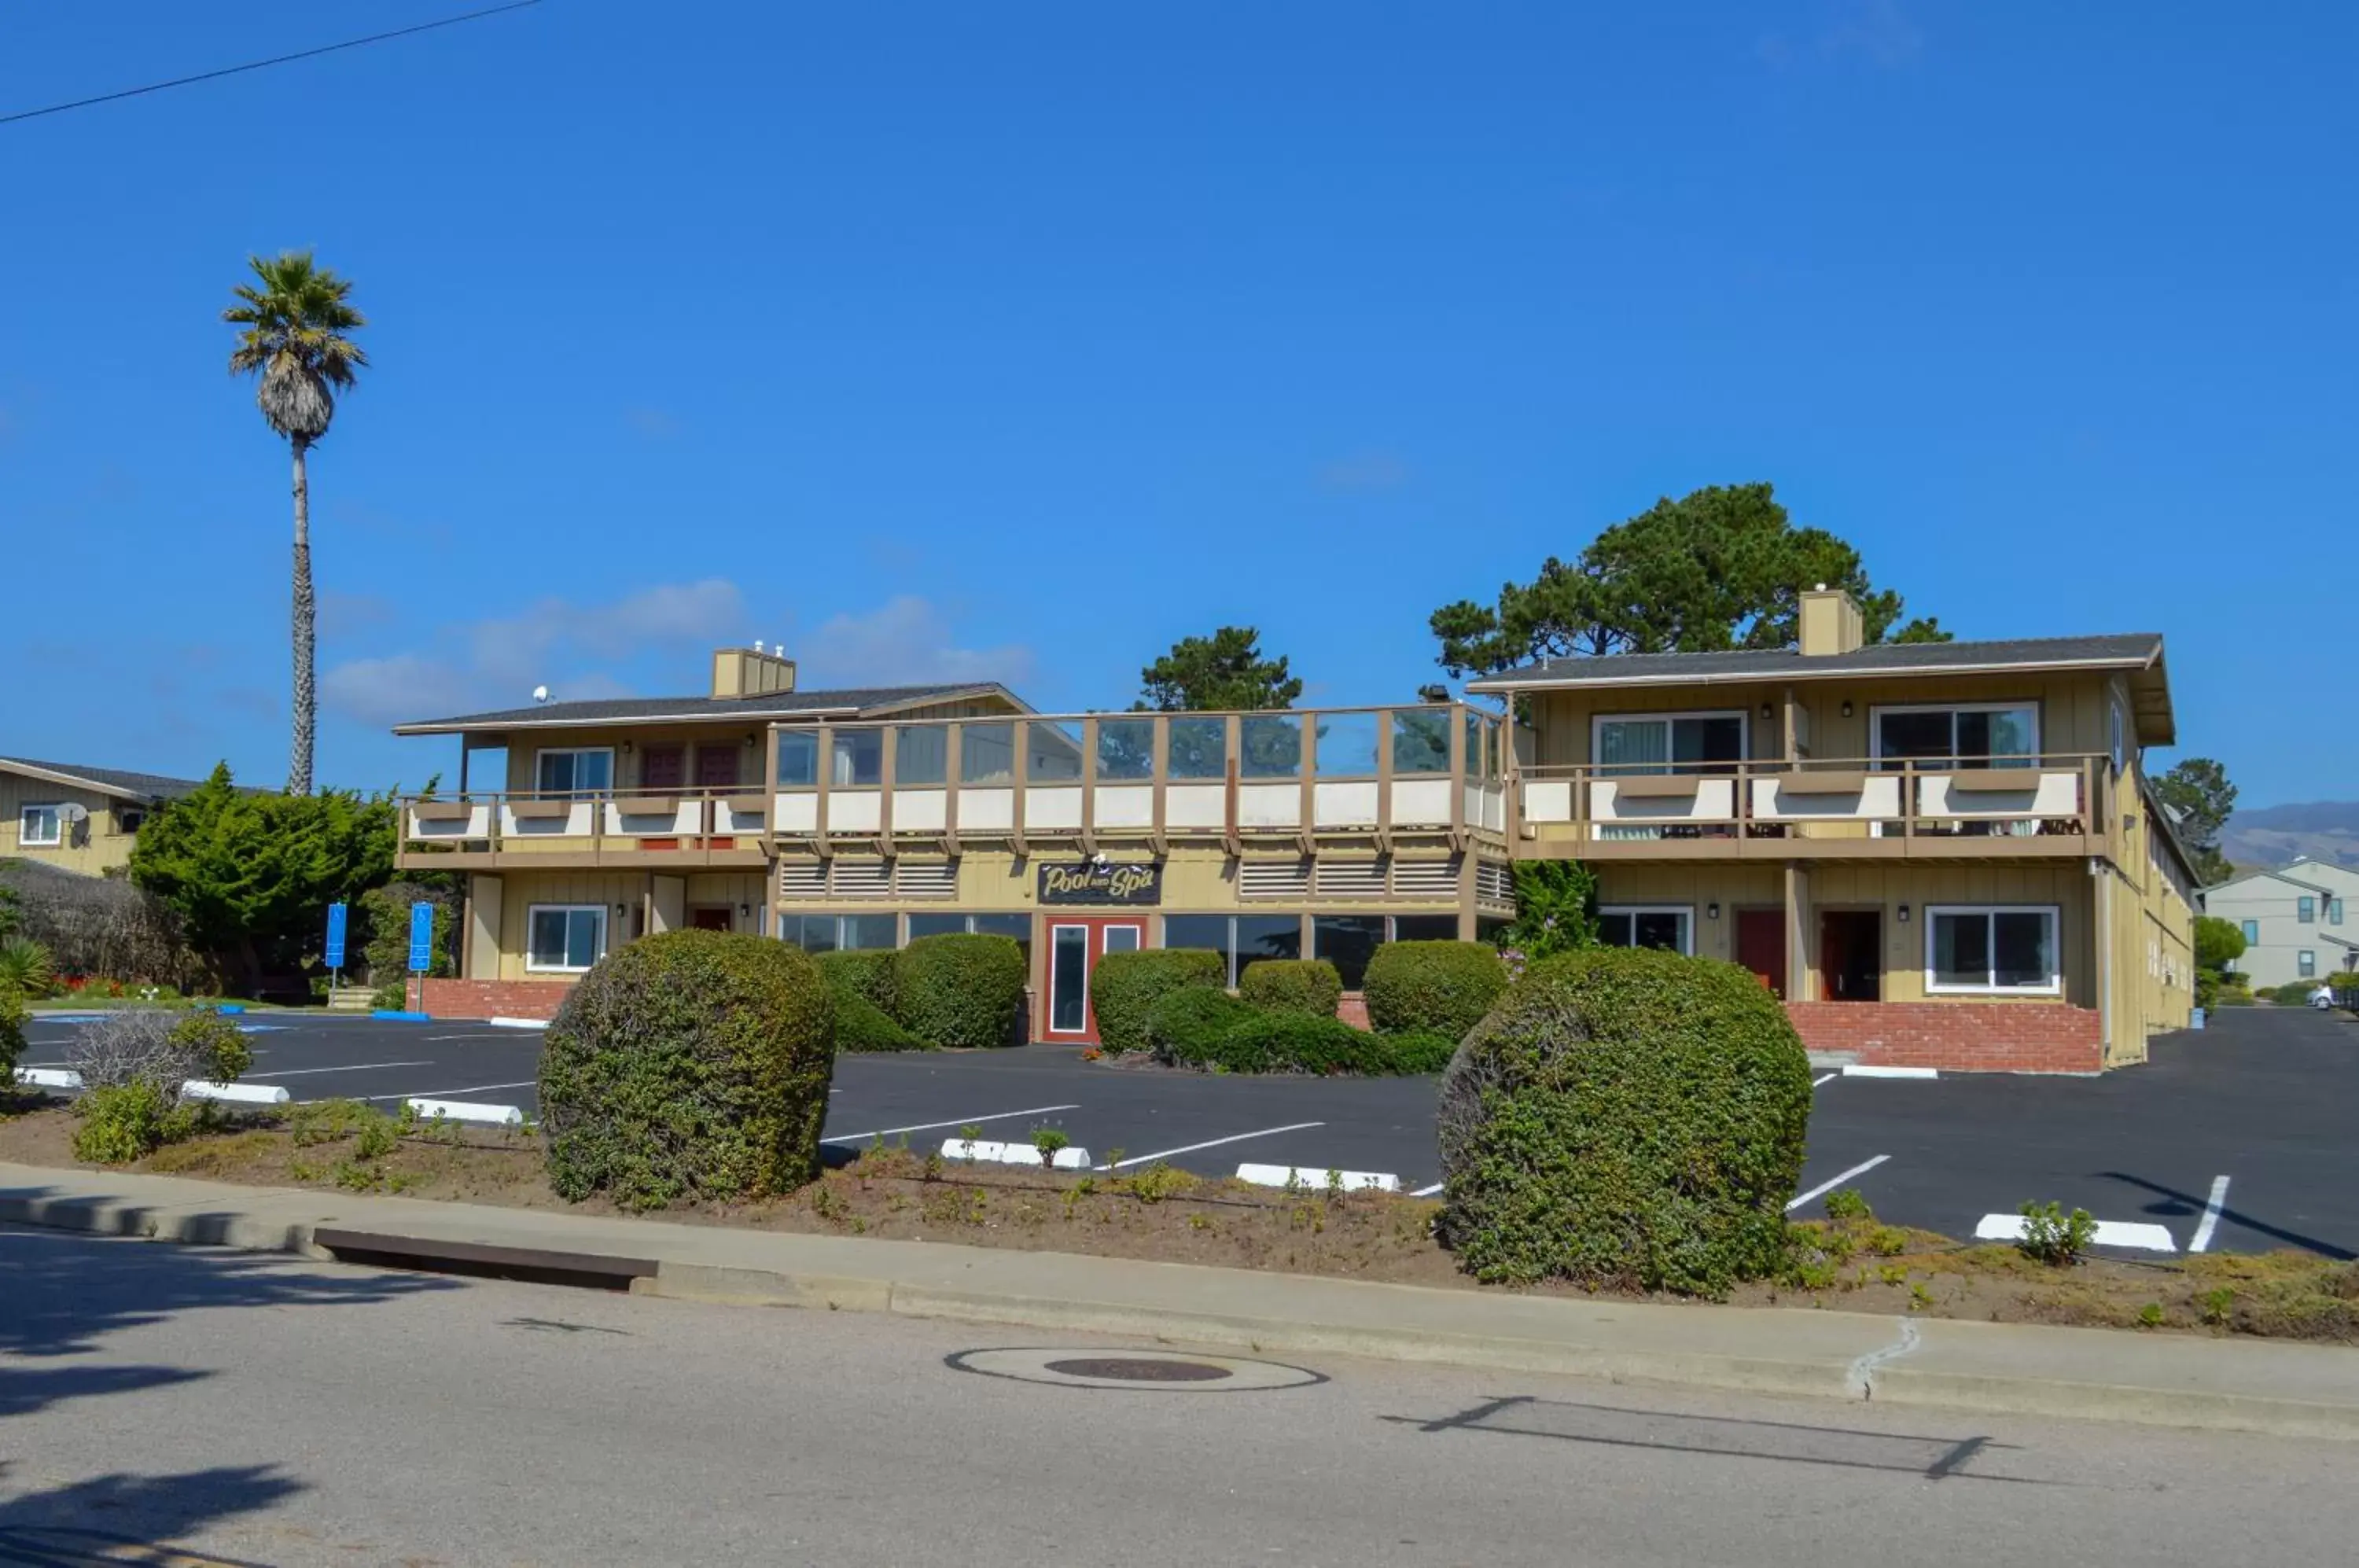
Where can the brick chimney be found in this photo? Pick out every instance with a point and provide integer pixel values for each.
(1830, 623)
(750, 672)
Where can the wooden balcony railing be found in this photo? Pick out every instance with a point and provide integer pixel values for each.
(694, 826)
(1866, 807)
(1143, 779)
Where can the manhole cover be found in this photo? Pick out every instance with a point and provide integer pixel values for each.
(1139, 1371)
(1133, 1370)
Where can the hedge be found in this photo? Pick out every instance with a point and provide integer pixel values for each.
(862, 1025)
(1187, 1025)
(689, 1064)
(1626, 1117)
(1125, 985)
(866, 972)
(960, 990)
(1444, 986)
(1306, 985)
(1204, 1028)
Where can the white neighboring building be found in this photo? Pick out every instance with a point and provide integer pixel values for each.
(2294, 920)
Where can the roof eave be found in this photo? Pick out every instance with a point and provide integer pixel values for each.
(1532, 679)
(482, 726)
(76, 781)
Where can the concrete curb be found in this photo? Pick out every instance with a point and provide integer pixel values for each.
(2288, 1390)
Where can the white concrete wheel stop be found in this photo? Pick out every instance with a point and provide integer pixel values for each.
(1154, 1371)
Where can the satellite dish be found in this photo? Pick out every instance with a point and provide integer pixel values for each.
(73, 811)
(540, 693)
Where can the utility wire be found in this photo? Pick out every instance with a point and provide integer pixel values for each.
(261, 64)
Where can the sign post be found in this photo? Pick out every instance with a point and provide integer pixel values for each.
(421, 949)
(336, 953)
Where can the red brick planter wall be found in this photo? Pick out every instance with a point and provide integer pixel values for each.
(1352, 1008)
(493, 998)
(1957, 1036)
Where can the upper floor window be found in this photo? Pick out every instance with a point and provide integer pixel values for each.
(2305, 909)
(2335, 912)
(2252, 933)
(38, 827)
(2005, 735)
(2121, 736)
(1668, 743)
(576, 772)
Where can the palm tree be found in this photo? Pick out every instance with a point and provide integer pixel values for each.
(295, 317)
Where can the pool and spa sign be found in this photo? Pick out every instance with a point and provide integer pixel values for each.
(1113, 882)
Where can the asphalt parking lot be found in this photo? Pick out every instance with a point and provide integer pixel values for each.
(2247, 1125)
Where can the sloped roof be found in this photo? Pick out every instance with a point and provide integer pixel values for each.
(2138, 652)
(117, 781)
(858, 701)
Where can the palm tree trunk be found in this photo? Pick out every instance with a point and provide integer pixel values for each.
(299, 766)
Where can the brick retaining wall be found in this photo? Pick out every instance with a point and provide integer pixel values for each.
(493, 998)
(1957, 1036)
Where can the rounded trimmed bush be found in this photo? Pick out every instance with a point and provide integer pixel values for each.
(1123, 986)
(13, 1018)
(1626, 1117)
(960, 990)
(862, 1025)
(1187, 1025)
(689, 1064)
(1444, 986)
(866, 971)
(1306, 985)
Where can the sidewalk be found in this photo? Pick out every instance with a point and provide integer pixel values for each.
(2303, 1390)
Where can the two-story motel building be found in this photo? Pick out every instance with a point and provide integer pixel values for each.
(1939, 854)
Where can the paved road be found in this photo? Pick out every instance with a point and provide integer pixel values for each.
(265, 1410)
(2264, 1098)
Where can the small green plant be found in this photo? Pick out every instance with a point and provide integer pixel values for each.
(1814, 1274)
(1200, 1221)
(2219, 1306)
(1047, 1143)
(303, 1170)
(933, 1167)
(379, 1136)
(1335, 1183)
(1114, 1158)
(26, 968)
(972, 1133)
(354, 1176)
(827, 1204)
(1887, 1241)
(1920, 1296)
(1848, 1206)
(2054, 1238)
(1893, 1274)
(124, 1121)
(1158, 1182)
(2150, 1315)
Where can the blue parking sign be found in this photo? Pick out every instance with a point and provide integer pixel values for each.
(335, 955)
(421, 938)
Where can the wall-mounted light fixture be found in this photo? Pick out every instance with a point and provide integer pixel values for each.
(753, 739)
(1711, 911)
(744, 911)
(1846, 709)
(1767, 712)
(1903, 914)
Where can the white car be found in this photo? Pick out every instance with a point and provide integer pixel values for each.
(2322, 997)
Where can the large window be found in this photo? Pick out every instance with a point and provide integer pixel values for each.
(798, 758)
(1670, 926)
(1994, 735)
(1347, 941)
(38, 826)
(565, 939)
(577, 772)
(1238, 938)
(1669, 743)
(1019, 927)
(840, 933)
(1997, 948)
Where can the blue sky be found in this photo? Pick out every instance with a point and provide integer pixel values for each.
(941, 340)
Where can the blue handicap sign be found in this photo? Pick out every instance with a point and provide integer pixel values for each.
(421, 937)
(335, 955)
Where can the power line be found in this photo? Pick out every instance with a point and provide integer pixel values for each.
(261, 64)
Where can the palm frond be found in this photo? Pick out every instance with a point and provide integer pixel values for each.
(296, 314)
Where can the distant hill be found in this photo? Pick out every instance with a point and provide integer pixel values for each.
(2322, 830)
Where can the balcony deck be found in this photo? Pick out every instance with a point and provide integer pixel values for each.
(2000, 809)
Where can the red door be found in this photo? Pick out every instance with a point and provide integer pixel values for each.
(663, 768)
(716, 766)
(1076, 942)
(1761, 946)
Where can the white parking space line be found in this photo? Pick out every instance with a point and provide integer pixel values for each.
(363, 1067)
(2110, 1233)
(961, 1121)
(1212, 1143)
(1824, 1078)
(1856, 1070)
(479, 1034)
(2211, 1221)
(1831, 1183)
(447, 1093)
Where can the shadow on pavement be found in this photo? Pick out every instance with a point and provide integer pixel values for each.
(2180, 1203)
(122, 1519)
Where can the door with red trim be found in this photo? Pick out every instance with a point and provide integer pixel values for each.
(1076, 942)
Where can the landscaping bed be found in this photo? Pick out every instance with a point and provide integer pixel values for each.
(1167, 1215)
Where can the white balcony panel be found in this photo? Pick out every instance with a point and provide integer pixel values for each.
(1053, 810)
(1351, 803)
(987, 810)
(1493, 816)
(796, 814)
(476, 823)
(1878, 799)
(920, 811)
(574, 823)
(1269, 805)
(1714, 800)
(855, 810)
(2042, 795)
(624, 820)
(727, 822)
(1125, 806)
(1545, 800)
(1421, 802)
(1197, 806)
